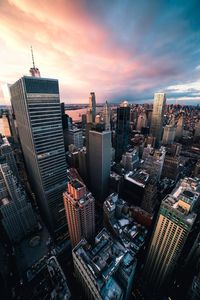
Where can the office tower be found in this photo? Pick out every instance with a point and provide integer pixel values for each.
(73, 136)
(142, 121)
(149, 116)
(179, 128)
(140, 189)
(130, 160)
(80, 212)
(46, 280)
(91, 112)
(168, 134)
(171, 167)
(122, 129)
(172, 163)
(106, 116)
(37, 110)
(153, 160)
(7, 153)
(66, 120)
(173, 226)
(105, 269)
(17, 214)
(99, 155)
(157, 116)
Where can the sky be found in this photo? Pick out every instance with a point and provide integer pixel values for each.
(119, 49)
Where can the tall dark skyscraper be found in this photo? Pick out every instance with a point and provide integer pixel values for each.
(37, 110)
(99, 162)
(122, 129)
(157, 116)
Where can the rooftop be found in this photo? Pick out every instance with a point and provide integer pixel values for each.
(139, 178)
(104, 260)
(120, 217)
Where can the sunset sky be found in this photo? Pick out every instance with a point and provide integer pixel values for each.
(119, 49)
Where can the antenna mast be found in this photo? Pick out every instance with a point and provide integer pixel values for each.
(34, 71)
(32, 57)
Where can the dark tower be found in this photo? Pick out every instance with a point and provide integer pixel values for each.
(122, 129)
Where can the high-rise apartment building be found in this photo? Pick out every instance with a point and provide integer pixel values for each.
(122, 129)
(174, 223)
(99, 155)
(91, 112)
(157, 116)
(80, 212)
(37, 110)
(17, 215)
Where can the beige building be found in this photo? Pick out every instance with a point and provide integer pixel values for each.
(173, 226)
(80, 212)
(157, 116)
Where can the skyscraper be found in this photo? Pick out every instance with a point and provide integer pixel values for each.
(37, 110)
(154, 160)
(17, 215)
(142, 121)
(7, 153)
(174, 223)
(80, 212)
(179, 128)
(91, 112)
(99, 155)
(106, 116)
(168, 134)
(122, 129)
(157, 116)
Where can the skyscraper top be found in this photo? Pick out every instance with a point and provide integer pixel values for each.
(34, 71)
(124, 103)
(184, 198)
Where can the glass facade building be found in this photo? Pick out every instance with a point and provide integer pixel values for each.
(157, 116)
(37, 109)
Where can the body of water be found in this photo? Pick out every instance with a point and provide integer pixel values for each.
(77, 113)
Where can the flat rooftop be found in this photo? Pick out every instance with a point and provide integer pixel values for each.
(139, 178)
(103, 260)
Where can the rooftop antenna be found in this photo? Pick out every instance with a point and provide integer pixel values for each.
(32, 57)
(34, 71)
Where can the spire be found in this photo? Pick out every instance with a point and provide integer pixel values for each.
(34, 71)
(32, 57)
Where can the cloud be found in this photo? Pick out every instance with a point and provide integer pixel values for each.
(119, 49)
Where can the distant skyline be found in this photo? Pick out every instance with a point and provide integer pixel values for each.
(118, 49)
